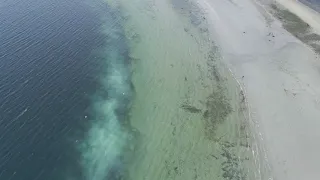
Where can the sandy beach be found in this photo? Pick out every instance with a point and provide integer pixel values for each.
(271, 48)
(224, 89)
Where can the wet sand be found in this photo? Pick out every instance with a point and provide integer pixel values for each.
(296, 26)
(272, 54)
(188, 113)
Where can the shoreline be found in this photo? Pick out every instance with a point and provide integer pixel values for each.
(312, 5)
(228, 92)
(280, 75)
(189, 121)
(307, 14)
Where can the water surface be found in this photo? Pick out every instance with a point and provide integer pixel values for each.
(314, 4)
(52, 60)
(114, 90)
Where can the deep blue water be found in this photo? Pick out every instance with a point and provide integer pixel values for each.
(51, 62)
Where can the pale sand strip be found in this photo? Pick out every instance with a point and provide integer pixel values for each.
(281, 78)
(189, 119)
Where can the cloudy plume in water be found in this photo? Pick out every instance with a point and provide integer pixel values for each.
(106, 138)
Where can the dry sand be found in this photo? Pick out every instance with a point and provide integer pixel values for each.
(281, 73)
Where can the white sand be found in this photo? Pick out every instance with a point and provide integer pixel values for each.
(282, 82)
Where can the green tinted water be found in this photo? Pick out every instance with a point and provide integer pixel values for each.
(189, 114)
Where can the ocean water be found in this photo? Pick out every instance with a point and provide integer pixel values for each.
(313, 1)
(314, 4)
(64, 77)
(110, 90)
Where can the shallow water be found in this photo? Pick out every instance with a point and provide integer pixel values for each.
(117, 90)
(189, 122)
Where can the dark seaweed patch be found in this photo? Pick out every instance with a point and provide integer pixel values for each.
(190, 108)
(218, 108)
(297, 27)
